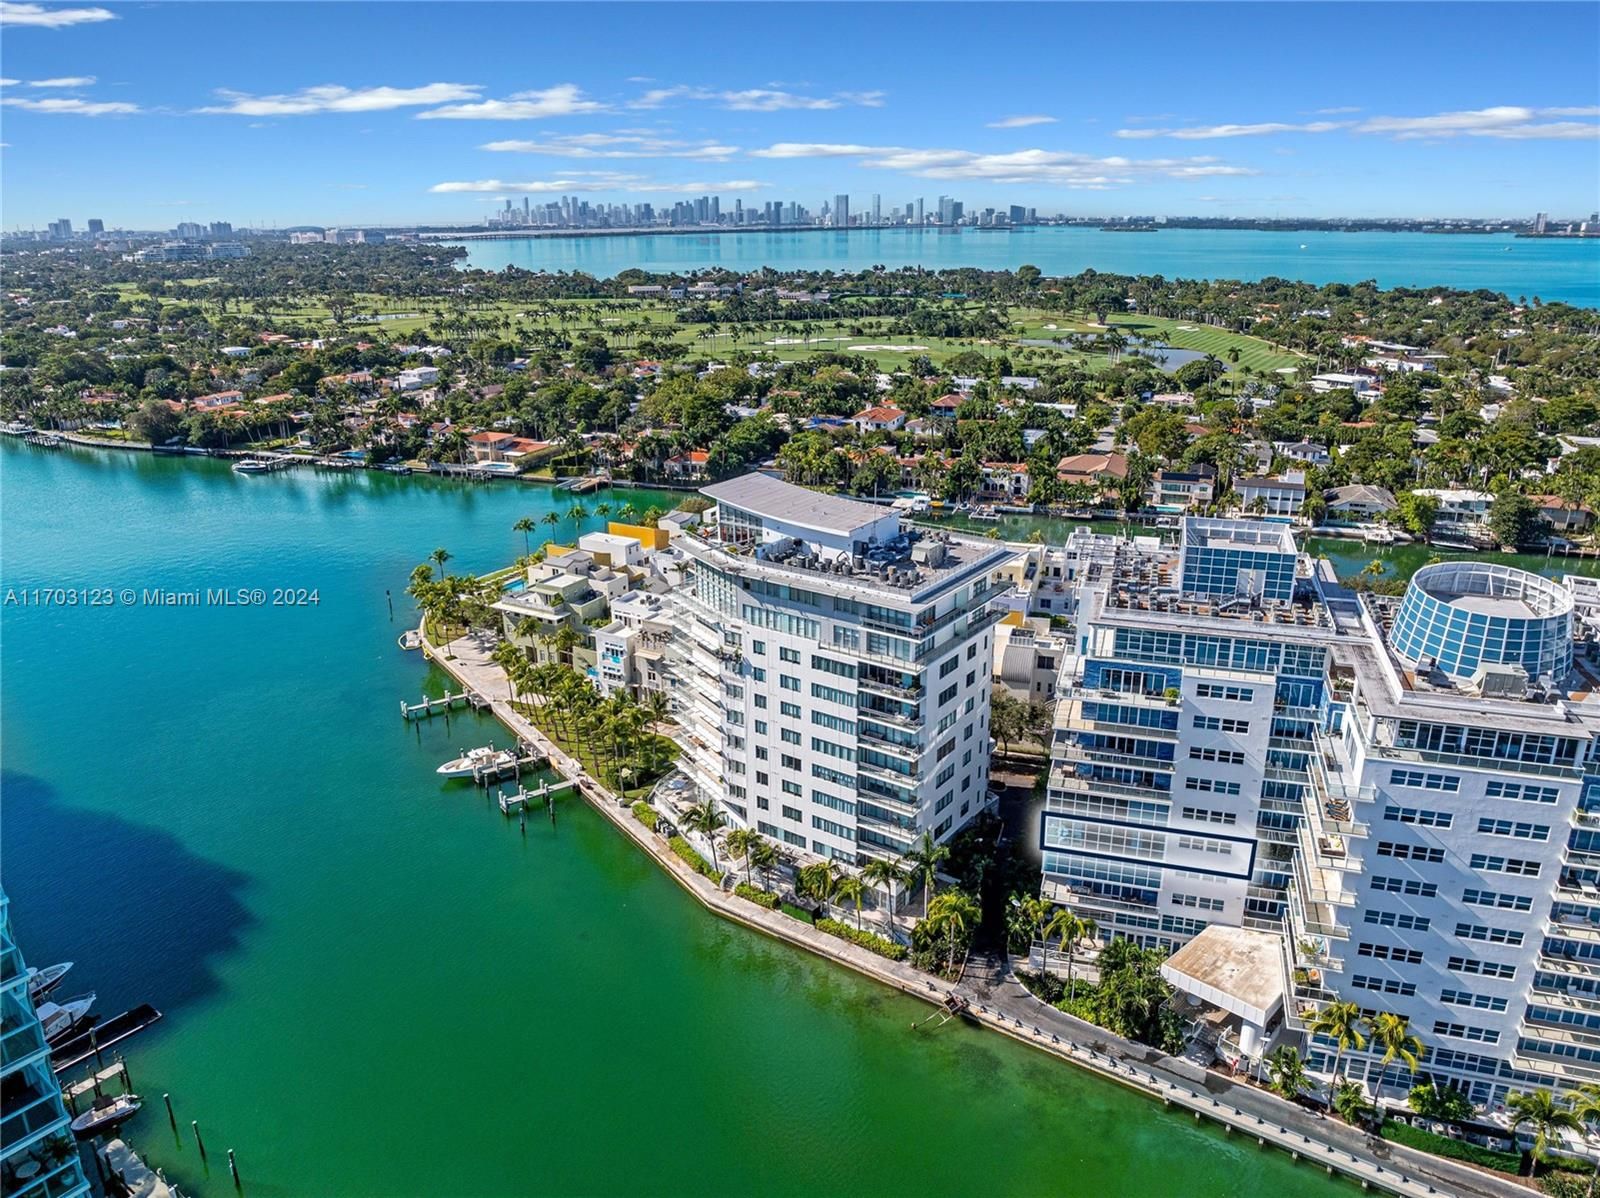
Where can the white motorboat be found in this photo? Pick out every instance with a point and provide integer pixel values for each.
(472, 760)
(1378, 535)
(106, 1113)
(42, 981)
(250, 466)
(60, 1018)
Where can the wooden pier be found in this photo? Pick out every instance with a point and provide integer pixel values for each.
(510, 804)
(91, 1043)
(429, 707)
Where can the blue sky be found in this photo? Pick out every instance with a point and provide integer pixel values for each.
(149, 114)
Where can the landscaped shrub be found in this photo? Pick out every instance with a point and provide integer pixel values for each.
(1461, 1150)
(686, 850)
(870, 941)
(761, 898)
(645, 814)
(799, 913)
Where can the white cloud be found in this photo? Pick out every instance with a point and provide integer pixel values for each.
(1054, 167)
(63, 81)
(10, 83)
(809, 149)
(1207, 132)
(616, 145)
(51, 18)
(335, 98)
(590, 181)
(1341, 110)
(1504, 121)
(62, 107)
(1510, 122)
(564, 99)
(1021, 122)
(756, 99)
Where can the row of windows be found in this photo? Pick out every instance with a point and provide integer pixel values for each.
(1385, 952)
(1211, 786)
(827, 800)
(1418, 780)
(833, 776)
(1195, 900)
(1523, 791)
(1384, 985)
(1515, 829)
(1410, 852)
(1478, 1002)
(1405, 886)
(1220, 756)
(1487, 969)
(1491, 898)
(1478, 931)
(1232, 694)
(833, 694)
(1211, 723)
(1419, 816)
(832, 829)
(1396, 919)
(1461, 1031)
(1207, 815)
(823, 720)
(1505, 865)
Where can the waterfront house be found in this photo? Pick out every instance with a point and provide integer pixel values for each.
(1357, 503)
(1559, 516)
(946, 405)
(1005, 481)
(1461, 511)
(1271, 496)
(1182, 490)
(1102, 471)
(217, 401)
(1307, 452)
(490, 446)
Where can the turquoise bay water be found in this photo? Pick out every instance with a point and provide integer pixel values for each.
(1568, 271)
(375, 986)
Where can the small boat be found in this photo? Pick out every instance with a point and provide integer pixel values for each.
(250, 466)
(106, 1113)
(397, 468)
(472, 760)
(1378, 536)
(983, 513)
(60, 1018)
(42, 981)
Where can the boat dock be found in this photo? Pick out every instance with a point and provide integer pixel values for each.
(91, 1043)
(510, 804)
(429, 707)
(584, 485)
(94, 1083)
(137, 1179)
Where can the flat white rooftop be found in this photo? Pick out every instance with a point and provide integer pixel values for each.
(1235, 969)
(763, 495)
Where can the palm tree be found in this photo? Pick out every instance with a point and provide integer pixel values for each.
(1288, 1072)
(880, 871)
(704, 818)
(1350, 1102)
(1392, 1033)
(1341, 1023)
(1586, 1107)
(817, 881)
(576, 513)
(524, 526)
(550, 518)
(740, 842)
(438, 557)
(922, 864)
(851, 889)
(951, 914)
(1072, 930)
(1546, 1114)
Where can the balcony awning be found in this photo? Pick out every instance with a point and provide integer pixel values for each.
(1234, 969)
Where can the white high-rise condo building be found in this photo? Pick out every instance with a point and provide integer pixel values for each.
(830, 670)
(1312, 794)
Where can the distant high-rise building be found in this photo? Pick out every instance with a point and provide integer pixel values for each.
(190, 228)
(716, 210)
(96, 226)
(33, 1093)
(877, 210)
(919, 210)
(61, 229)
(1018, 214)
(841, 212)
(221, 228)
(1540, 220)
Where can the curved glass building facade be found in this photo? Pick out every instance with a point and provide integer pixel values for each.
(1464, 615)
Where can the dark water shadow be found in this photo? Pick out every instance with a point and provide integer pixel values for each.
(142, 917)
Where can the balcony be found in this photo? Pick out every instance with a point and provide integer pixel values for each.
(893, 777)
(1093, 756)
(894, 690)
(1068, 781)
(882, 743)
(1571, 927)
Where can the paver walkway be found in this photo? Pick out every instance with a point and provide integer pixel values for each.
(1004, 1005)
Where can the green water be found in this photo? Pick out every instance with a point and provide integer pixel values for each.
(373, 984)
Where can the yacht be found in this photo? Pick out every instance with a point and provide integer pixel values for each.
(106, 1113)
(487, 757)
(42, 981)
(250, 466)
(59, 1019)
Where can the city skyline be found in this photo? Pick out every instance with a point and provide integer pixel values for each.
(298, 135)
